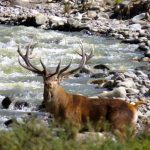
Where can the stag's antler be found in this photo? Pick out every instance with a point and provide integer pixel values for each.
(83, 61)
(62, 72)
(88, 56)
(59, 72)
(29, 65)
(85, 58)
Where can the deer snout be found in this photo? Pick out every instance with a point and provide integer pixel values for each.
(51, 84)
(48, 85)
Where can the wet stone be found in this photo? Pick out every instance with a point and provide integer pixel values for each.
(86, 70)
(110, 84)
(145, 59)
(130, 75)
(141, 74)
(116, 93)
(77, 75)
(6, 102)
(98, 75)
(131, 41)
(21, 104)
(101, 66)
(147, 53)
(132, 91)
(135, 27)
(8, 122)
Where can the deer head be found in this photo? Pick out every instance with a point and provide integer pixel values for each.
(51, 79)
(52, 90)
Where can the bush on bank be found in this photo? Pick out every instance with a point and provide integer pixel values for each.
(34, 135)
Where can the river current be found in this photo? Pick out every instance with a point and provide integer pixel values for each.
(21, 84)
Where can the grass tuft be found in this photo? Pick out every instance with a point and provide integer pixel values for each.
(34, 135)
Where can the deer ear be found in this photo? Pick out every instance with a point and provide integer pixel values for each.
(65, 76)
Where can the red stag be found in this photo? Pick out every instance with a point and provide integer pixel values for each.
(79, 109)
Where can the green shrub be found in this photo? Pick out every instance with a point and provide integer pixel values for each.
(34, 135)
(118, 1)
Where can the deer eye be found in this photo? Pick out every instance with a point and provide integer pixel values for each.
(46, 83)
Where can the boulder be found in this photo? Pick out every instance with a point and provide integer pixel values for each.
(130, 75)
(102, 15)
(57, 21)
(87, 70)
(139, 17)
(91, 14)
(9, 122)
(101, 66)
(132, 91)
(119, 92)
(128, 83)
(131, 41)
(98, 75)
(21, 104)
(6, 102)
(145, 59)
(135, 27)
(99, 81)
(147, 53)
(40, 19)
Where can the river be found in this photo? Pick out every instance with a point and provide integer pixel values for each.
(21, 84)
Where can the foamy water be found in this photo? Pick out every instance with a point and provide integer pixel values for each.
(21, 84)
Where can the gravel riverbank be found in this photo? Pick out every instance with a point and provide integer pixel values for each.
(96, 17)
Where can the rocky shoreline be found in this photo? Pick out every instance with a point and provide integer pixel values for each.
(95, 18)
(131, 86)
(98, 18)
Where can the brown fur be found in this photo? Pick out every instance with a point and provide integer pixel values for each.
(79, 109)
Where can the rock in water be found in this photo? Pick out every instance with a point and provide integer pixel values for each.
(6, 102)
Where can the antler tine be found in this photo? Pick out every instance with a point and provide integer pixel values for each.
(58, 67)
(29, 65)
(57, 70)
(78, 53)
(64, 69)
(31, 45)
(88, 57)
(24, 57)
(44, 67)
(82, 63)
(19, 51)
(81, 46)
